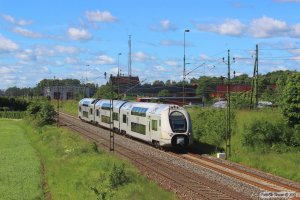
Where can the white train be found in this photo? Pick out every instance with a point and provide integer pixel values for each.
(160, 124)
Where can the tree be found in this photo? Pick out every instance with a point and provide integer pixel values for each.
(291, 100)
(164, 93)
(41, 112)
(104, 92)
(158, 83)
(168, 83)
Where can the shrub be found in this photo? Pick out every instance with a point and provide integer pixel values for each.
(13, 104)
(273, 133)
(290, 103)
(42, 112)
(209, 125)
(118, 176)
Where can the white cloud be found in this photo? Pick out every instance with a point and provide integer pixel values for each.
(172, 63)
(7, 45)
(26, 32)
(164, 25)
(104, 60)
(66, 49)
(264, 27)
(167, 25)
(295, 30)
(160, 68)
(12, 20)
(268, 27)
(71, 60)
(26, 55)
(231, 27)
(171, 43)
(98, 16)
(6, 70)
(44, 51)
(141, 57)
(79, 34)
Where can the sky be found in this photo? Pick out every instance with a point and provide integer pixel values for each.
(83, 39)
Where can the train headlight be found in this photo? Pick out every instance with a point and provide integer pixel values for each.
(170, 134)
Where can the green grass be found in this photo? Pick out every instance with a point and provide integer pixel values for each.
(67, 106)
(281, 164)
(12, 114)
(20, 174)
(73, 166)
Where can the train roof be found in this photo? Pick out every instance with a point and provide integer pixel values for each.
(106, 102)
(86, 101)
(150, 108)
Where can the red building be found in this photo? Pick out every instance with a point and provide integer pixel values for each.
(221, 90)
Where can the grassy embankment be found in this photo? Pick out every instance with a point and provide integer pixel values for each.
(67, 106)
(20, 174)
(282, 164)
(72, 167)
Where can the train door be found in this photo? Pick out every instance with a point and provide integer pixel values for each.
(154, 130)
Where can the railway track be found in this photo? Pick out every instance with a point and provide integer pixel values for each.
(178, 178)
(184, 183)
(265, 181)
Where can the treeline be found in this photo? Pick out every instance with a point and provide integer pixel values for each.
(12, 104)
(39, 88)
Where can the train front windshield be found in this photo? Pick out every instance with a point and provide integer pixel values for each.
(178, 122)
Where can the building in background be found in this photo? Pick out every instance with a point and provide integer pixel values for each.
(67, 92)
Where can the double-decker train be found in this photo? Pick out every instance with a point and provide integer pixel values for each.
(162, 125)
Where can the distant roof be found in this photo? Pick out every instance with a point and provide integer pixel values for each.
(125, 79)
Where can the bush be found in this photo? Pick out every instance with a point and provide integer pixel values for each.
(272, 133)
(118, 176)
(290, 103)
(209, 125)
(13, 104)
(240, 100)
(42, 112)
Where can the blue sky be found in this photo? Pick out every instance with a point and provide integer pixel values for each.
(82, 39)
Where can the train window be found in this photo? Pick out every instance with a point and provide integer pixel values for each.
(124, 118)
(91, 111)
(139, 111)
(138, 128)
(85, 103)
(79, 108)
(85, 114)
(105, 106)
(105, 119)
(115, 116)
(154, 125)
(178, 122)
(97, 112)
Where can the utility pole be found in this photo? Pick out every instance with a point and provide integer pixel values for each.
(129, 61)
(256, 88)
(119, 74)
(184, 63)
(255, 82)
(111, 131)
(57, 97)
(228, 131)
